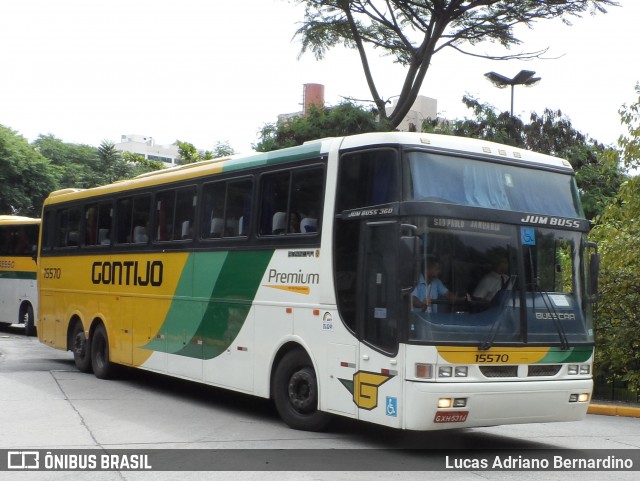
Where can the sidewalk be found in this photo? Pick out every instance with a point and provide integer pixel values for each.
(614, 409)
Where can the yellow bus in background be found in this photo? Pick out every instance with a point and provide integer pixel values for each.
(304, 275)
(18, 268)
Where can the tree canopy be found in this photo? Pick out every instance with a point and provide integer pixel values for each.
(26, 176)
(617, 232)
(344, 119)
(411, 32)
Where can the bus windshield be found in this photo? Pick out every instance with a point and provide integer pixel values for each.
(485, 282)
(464, 181)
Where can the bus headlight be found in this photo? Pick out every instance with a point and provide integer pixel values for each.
(444, 403)
(585, 369)
(445, 371)
(579, 398)
(572, 369)
(461, 371)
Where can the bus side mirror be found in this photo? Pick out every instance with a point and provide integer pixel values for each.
(407, 263)
(594, 272)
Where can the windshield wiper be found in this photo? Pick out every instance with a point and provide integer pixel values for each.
(495, 327)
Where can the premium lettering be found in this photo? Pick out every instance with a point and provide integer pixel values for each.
(293, 277)
(128, 273)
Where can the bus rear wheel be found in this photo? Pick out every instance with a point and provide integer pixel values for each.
(81, 348)
(296, 393)
(29, 321)
(102, 367)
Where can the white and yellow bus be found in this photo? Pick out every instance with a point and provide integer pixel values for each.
(18, 268)
(292, 275)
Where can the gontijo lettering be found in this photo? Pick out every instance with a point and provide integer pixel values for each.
(128, 273)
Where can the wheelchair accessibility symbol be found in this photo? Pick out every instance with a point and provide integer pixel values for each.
(392, 406)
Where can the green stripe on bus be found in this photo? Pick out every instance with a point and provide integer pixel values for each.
(575, 354)
(18, 275)
(230, 281)
(285, 155)
(229, 304)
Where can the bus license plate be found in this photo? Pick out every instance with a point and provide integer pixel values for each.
(451, 417)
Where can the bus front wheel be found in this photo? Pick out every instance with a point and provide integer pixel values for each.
(102, 367)
(296, 393)
(81, 348)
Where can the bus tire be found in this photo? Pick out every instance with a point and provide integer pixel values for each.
(29, 321)
(102, 367)
(81, 348)
(296, 393)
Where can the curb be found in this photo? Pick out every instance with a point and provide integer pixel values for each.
(614, 410)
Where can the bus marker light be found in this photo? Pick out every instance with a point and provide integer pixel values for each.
(316, 312)
(424, 371)
(289, 310)
(459, 402)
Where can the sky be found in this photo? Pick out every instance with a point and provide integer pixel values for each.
(207, 72)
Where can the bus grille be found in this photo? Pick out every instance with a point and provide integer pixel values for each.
(499, 371)
(544, 370)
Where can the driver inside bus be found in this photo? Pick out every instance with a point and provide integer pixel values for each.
(430, 288)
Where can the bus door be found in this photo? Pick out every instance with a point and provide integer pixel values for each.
(382, 304)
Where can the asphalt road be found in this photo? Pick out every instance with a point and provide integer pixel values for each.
(46, 404)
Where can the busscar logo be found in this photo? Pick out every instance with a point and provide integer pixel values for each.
(23, 460)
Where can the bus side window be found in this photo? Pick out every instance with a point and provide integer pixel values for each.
(292, 202)
(238, 208)
(165, 207)
(184, 214)
(69, 227)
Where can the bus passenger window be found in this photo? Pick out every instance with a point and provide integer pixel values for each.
(69, 227)
(184, 214)
(133, 217)
(292, 202)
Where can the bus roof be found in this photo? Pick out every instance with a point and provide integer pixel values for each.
(445, 143)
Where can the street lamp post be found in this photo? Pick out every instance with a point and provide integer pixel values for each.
(524, 77)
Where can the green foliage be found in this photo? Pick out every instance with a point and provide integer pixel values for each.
(411, 32)
(76, 163)
(618, 319)
(222, 149)
(140, 164)
(630, 143)
(598, 173)
(26, 176)
(618, 235)
(188, 154)
(345, 119)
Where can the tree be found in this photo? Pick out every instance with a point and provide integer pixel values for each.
(188, 154)
(344, 119)
(413, 31)
(598, 173)
(222, 149)
(618, 235)
(111, 164)
(26, 176)
(140, 164)
(77, 163)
